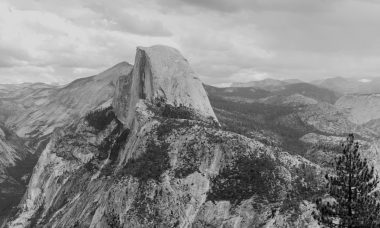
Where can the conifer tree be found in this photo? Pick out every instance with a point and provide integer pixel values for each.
(353, 199)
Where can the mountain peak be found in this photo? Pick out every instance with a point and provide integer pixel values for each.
(120, 65)
(122, 68)
(162, 73)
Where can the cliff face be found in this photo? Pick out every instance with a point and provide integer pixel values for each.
(163, 74)
(12, 178)
(156, 159)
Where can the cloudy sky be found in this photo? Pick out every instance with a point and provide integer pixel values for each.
(56, 41)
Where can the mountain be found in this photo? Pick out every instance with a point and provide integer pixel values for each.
(266, 84)
(39, 112)
(158, 82)
(350, 85)
(362, 108)
(305, 90)
(293, 81)
(284, 121)
(281, 118)
(158, 157)
(339, 85)
(29, 113)
(285, 118)
(298, 93)
(150, 146)
(238, 93)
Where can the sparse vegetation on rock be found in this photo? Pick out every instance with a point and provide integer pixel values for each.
(101, 118)
(245, 177)
(189, 159)
(151, 164)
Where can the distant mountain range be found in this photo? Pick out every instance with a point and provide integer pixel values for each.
(276, 91)
(339, 85)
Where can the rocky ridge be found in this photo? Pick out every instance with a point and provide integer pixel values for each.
(29, 113)
(38, 109)
(157, 157)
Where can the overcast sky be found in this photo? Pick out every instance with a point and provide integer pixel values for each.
(56, 41)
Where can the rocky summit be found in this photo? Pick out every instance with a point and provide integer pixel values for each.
(156, 156)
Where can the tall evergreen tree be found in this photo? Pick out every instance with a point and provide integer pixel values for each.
(352, 188)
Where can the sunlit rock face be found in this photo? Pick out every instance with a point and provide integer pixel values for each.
(158, 158)
(162, 74)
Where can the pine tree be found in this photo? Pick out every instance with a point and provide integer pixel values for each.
(353, 199)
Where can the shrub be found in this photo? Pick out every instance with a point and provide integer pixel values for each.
(101, 118)
(168, 126)
(188, 160)
(91, 167)
(306, 186)
(151, 164)
(177, 112)
(244, 178)
(113, 219)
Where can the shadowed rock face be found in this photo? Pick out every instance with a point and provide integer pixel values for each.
(33, 111)
(121, 100)
(163, 164)
(13, 178)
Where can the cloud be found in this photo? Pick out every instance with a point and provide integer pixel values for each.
(12, 56)
(112, 16)
(228, 6)
(38, 38)
(134, 24)
(224, 41)
(247, 75)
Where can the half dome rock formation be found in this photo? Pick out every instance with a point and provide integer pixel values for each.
(163, 74)
(156, 159)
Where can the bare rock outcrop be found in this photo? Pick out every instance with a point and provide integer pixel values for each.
(162, 74)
